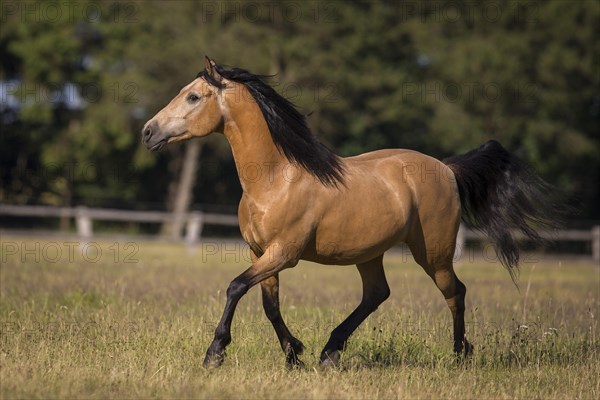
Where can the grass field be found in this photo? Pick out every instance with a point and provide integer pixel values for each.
(134, 320)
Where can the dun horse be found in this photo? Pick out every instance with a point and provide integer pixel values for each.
(310, 204)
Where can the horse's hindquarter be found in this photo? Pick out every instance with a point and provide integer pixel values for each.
(433, 227)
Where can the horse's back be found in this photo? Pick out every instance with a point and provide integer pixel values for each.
(402, 168)
(378, 154)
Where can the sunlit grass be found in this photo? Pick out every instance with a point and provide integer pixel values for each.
(137, 326)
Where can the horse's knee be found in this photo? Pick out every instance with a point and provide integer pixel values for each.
(237, 288)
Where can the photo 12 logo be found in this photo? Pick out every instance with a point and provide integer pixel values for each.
(55, 331)
(69, 11)
(74, 96)
(269, 12)
(68, 252)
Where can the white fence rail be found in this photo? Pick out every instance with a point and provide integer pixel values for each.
(571, 235)
(196, 220)
(85, 216)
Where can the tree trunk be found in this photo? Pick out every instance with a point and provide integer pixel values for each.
(183, 192)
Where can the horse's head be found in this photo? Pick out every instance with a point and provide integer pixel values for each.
(194, 112)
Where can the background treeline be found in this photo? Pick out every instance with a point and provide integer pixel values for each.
(80, 79)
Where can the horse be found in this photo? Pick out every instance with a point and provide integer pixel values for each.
(301, 201)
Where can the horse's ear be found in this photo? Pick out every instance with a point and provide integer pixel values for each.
(210, 65)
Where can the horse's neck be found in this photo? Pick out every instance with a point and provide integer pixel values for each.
(257, 159)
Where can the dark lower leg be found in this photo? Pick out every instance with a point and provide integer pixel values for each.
(291, 346)
(375, 292)
(261, 269)
(216, 352)
(339, 336)
(457, 306)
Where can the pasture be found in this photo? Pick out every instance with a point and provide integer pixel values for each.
(119, 319)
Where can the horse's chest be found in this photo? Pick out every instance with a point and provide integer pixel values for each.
(251, 236)
(250, 227)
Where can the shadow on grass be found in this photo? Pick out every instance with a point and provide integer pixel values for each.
(525, 347)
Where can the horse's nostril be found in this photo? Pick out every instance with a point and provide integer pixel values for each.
(147, 132)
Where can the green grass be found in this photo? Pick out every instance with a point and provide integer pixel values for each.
(136, 323)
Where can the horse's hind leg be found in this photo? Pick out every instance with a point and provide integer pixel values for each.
(454, 292)
(375, 292)
(439, 267)
(291, 346)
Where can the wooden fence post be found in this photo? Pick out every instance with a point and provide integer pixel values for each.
(83, 223)
(596, 243)
(194, 227)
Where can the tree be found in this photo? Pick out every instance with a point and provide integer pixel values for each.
(432, 76)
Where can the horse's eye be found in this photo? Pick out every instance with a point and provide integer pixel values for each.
(192, 98)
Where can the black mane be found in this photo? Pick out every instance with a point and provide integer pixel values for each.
(288, 127)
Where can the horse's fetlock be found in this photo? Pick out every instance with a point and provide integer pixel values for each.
(293, 348)
(222, 338)
(335, 343)
(297, 345)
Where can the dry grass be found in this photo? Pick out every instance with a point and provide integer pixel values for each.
(110, 328)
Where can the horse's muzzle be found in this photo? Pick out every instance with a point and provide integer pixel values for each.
(152, 137)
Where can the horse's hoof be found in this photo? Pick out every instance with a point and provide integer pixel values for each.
(468, 349)
(294, 363)
(330, 360)
(464, 352)
(213, 361)
(328, 364)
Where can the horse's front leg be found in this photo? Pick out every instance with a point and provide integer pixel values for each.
(273, 261)
(291, 346)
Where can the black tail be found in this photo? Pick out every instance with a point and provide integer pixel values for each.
(500, 194)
